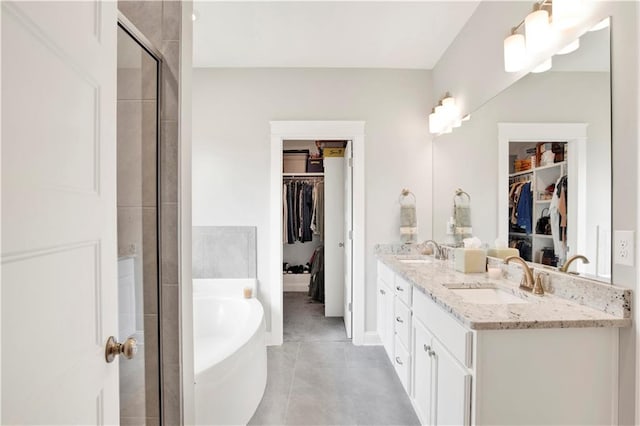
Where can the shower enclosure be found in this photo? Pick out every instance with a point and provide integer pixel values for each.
(139, 68)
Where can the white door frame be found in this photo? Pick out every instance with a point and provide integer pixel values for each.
(316, 130)
(576, 136)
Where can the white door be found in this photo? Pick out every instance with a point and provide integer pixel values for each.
(348, 237)
(59, 274)
(333, 236)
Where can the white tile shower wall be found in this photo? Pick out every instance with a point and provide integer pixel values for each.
(224, 252)
(231, 113)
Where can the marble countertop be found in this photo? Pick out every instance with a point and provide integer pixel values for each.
(547, 311)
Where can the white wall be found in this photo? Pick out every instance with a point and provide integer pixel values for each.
(231, 113)
(479, 48)
(576, 97)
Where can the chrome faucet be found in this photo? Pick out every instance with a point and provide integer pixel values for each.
(565, 267)
(528, 283)
(439, 254)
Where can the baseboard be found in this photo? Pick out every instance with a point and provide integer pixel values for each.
(371, 338)
(270, 340)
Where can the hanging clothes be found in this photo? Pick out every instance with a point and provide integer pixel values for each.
(303, 210)
(525, 203)
(317, 217)
(558, 217)
(316, 281)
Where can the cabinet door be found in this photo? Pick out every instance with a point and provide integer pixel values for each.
(422, 374)
(453, 389)
(384, 312)
(388, 323)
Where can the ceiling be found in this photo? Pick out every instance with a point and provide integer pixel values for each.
(331, 34)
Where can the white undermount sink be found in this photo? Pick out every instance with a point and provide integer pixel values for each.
(423, 261)
(484, 295)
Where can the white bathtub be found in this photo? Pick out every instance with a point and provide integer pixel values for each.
(230, 355)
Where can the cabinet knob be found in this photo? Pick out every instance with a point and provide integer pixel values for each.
(399, 288)
(398, 360)
(382, 291)
(427, 348)
(399, 320)
(432, 353)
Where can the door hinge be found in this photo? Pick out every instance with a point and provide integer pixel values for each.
(350, 234)
(349, 306)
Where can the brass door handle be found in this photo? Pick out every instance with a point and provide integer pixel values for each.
(129, 348)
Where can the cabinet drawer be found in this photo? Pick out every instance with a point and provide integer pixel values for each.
(385, 274)
(402, 322)
(403, 290)
(445, 328)
(402, 363)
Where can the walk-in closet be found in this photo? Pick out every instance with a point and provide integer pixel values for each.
(314, 215)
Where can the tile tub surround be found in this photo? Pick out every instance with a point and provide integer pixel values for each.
(224, 252)
(548, 311)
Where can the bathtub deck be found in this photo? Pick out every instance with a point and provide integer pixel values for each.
(317, 377)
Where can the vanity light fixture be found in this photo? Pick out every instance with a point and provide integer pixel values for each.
(541, 27)
(445, 116)
(567, 13)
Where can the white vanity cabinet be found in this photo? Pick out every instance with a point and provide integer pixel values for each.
(458, 376)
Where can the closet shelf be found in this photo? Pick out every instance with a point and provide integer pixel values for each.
(302, 174)
(520, 234)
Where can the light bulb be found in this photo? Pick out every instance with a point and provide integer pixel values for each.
(515, 53)
(449, 108)
(545, 66)
(537, 31)
(566, 14)
(571, 47)
(434, 123)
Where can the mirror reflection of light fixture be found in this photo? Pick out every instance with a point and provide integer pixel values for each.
(445, 116)
(571, 47)
(600, 25)
(434, 123)
(544, 66)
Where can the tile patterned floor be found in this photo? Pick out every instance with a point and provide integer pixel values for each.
(317, 377)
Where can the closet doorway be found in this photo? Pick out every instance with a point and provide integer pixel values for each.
(317, 266)
(316, 178)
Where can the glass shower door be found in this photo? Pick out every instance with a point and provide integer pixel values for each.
(137, 205)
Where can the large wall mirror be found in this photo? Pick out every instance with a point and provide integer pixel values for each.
(548, 133)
